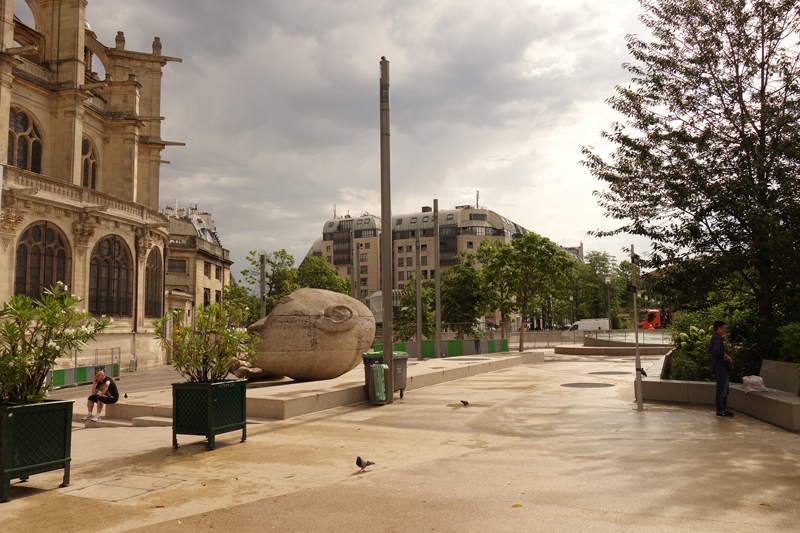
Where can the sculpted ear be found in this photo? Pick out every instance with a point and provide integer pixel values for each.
(336, 318)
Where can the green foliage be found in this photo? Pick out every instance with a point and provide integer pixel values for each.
(317, 273)
(789, 335)
(541, 270)
(462, 296)
(691, 357)
(497, 277)
(237, 296)
(206, 353)
(706, 163)
(33, 334)
(406, 327)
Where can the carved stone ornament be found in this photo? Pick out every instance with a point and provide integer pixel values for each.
(83, 232)
(144, 242)
(10, 220)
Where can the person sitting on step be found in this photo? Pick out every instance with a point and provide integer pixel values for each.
(104, 391)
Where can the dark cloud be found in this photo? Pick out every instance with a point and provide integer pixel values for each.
(278, 104)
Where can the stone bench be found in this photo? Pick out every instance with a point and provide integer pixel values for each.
(775, 406)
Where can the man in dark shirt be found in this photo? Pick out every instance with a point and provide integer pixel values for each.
(104, 391)
(718, 367)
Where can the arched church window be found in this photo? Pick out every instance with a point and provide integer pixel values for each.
(111, 278)
(43, 259)
(89, 164)
(153, 279)
(24, 142)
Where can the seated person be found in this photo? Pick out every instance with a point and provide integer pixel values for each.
(104, 390)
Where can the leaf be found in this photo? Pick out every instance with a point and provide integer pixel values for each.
(766, 504)
(517, 505)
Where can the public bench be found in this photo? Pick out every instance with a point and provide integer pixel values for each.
(776, 407)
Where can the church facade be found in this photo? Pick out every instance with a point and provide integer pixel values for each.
(80, 180)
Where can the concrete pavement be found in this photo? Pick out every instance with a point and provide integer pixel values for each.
(553, 446)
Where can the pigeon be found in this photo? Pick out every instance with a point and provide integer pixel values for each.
(363, 464)
(465, 402)
(126, 394)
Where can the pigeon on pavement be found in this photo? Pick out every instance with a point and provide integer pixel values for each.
(362, 464)
(465, 402)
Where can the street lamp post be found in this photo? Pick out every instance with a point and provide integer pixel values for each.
(608, 294)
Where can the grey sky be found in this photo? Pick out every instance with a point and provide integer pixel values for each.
(278, 103)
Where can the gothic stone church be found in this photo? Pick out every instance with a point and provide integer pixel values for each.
(80, 184)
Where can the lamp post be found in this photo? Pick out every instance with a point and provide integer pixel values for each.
(608, 294)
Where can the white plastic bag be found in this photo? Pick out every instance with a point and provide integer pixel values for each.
(753, 383)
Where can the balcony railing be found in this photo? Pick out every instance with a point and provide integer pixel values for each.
(81, 195)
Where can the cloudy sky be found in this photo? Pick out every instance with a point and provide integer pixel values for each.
(277, 102)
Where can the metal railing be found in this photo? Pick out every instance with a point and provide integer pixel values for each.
(92, 357)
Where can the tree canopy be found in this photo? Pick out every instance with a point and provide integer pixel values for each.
(706, 163)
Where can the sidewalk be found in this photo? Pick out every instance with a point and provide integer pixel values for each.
(552, 446)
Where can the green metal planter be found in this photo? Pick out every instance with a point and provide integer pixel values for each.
(34, 438)
(209, 409)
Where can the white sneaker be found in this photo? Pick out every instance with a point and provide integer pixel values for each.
(96, 418)
(87, 417)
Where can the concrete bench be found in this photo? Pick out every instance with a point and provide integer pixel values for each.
(781, 376)
(775, 406)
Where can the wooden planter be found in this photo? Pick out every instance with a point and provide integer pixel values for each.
(34, 438)
(209, 409)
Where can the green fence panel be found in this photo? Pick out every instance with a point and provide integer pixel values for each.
(455, 348)
(504, 345)
(59, 378)
(115, 370)
(81, 373)
(428, 348)
(491, 346)
(399, 347)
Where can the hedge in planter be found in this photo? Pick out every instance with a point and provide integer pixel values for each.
(35, 435)
(207, 404)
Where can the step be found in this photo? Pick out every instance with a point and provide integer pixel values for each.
(108, 423)
(150, 421)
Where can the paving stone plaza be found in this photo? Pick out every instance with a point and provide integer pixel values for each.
(554, 445)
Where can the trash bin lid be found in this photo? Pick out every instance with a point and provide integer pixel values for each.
(379, 355)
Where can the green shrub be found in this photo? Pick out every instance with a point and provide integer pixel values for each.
(690, 359)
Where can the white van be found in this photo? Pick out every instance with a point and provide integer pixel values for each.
(590, 324)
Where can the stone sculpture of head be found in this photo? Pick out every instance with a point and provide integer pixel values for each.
(313, 334)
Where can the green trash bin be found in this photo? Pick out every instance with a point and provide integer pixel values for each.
(399, 367)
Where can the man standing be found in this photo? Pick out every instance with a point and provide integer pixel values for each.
(720, 369)
(104, 391)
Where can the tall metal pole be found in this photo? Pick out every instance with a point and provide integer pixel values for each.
(353, 286)
(418, 277)
(357, 269)
(386, 234)
(634, 276)
(263, 286)
(438, 272)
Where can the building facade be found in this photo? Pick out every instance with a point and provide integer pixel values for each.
(198, 267)
(81, 177)
(460, 229)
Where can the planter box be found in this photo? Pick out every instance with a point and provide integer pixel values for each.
(34, 438)
(209, 409)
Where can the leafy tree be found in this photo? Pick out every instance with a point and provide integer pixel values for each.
(279, 272)
(462, 296)
(237, 297)
(406, 326)
(541, 269)
(317, 273)
(706, 163)
(498, 280)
